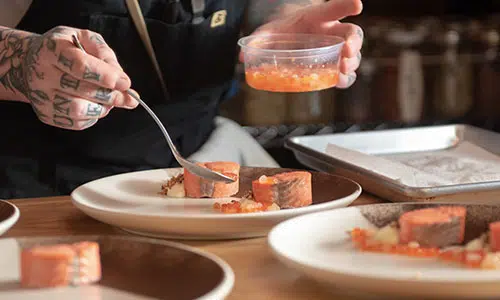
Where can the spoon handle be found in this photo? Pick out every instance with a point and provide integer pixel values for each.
(192, 167)
(159, 123)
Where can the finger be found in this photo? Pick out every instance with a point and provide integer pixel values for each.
(94, 44)
(332, 10)
(349, 65)
(67, 106)
(86, 67)
(130, 102)
(346, 80)
(59, 32)
(352, 34)
(71, 124)
(73, 113)
(74, 124)
(92, 110)
(83, 89)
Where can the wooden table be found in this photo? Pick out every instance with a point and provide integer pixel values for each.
(258, 277)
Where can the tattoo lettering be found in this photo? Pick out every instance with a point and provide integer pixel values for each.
(61, 105)
(94, 110)
(69, 82)
(68, 63)
(51, 44)
(38, 97)
(103, 94)
(63, 121)
(19, 55)
(96, 38)
(51, 41)
(88, 74)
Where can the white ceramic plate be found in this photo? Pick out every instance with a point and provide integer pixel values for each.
(318, 245)
(131, 201)
(132, 268)
(9, 214)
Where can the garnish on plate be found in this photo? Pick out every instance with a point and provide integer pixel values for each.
(174, 187)
(433, 233)
(268, 193)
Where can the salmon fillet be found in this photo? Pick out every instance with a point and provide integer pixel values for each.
(433, 227)
(60, 265)
(197, 187)
(495, 236)
(287, 190)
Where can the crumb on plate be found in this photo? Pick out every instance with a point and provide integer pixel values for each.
(247, 204)
(174, 187)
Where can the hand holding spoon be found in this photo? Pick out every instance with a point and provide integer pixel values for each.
(190, 166)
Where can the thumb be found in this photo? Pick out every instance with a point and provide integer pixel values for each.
(333, 10)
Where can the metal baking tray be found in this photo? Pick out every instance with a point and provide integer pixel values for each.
(310, 151)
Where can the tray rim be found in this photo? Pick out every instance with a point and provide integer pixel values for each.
(415, 192)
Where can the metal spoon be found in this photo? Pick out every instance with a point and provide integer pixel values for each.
(190, 166)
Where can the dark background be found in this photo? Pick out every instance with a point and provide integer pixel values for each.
(273, 117)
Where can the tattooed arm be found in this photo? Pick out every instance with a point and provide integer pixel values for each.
(66, 87)
(260, 12)
(14, 45)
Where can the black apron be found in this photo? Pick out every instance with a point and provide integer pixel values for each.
(196, 58)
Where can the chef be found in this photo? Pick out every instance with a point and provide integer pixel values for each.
(65, 117)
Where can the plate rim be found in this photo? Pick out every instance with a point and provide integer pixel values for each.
(223, 288)
(280, 255)
(12, 219)
(197, 216)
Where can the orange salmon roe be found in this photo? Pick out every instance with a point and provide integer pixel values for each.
(457, 256)
(361, 242)
(270, 78)
(469, 259)
(235, 207)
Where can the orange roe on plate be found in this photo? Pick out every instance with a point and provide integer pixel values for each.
(360, 239)
(235, 207)
(457, 256)
(469, 259)
(268, 77)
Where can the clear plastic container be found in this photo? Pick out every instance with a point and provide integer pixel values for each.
(291, 62)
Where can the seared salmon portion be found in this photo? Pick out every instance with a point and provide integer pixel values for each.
(495, 236)
(287, 190)
(433, 227)
(60, 265)
(197, 187)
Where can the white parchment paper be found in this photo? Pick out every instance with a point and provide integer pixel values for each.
(465, 163)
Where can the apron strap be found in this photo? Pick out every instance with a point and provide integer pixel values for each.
(136, 14)
(198, 8)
